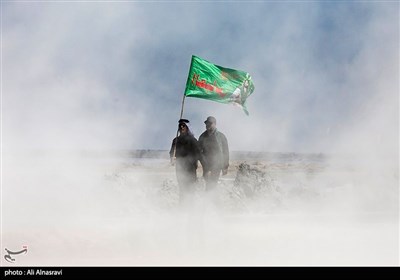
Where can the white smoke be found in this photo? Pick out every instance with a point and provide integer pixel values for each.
(83, 81)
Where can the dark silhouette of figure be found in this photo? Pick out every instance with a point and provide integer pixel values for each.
(184, 154)
(214, 153)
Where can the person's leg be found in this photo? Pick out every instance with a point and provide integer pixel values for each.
(212, 180)
(187, 180)
(211, 188)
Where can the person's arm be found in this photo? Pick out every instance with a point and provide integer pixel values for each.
(172, 157)
(225, 154)
(202, 159)
(195, 151)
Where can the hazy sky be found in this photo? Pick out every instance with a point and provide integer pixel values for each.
(79, 75)
(111, 75)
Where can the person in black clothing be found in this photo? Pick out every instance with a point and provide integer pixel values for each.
(184, 154)
(214, 153)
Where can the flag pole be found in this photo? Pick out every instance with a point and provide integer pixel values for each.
(177, 131)
(183, 103)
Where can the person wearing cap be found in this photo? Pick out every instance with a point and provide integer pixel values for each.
(184, 154)
(214, 153)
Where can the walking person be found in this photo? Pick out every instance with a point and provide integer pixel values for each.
(214, 153)
(184, 154)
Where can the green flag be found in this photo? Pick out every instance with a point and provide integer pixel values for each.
(216, 83)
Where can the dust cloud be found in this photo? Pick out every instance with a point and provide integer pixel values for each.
(87, 119)
(270, 210)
